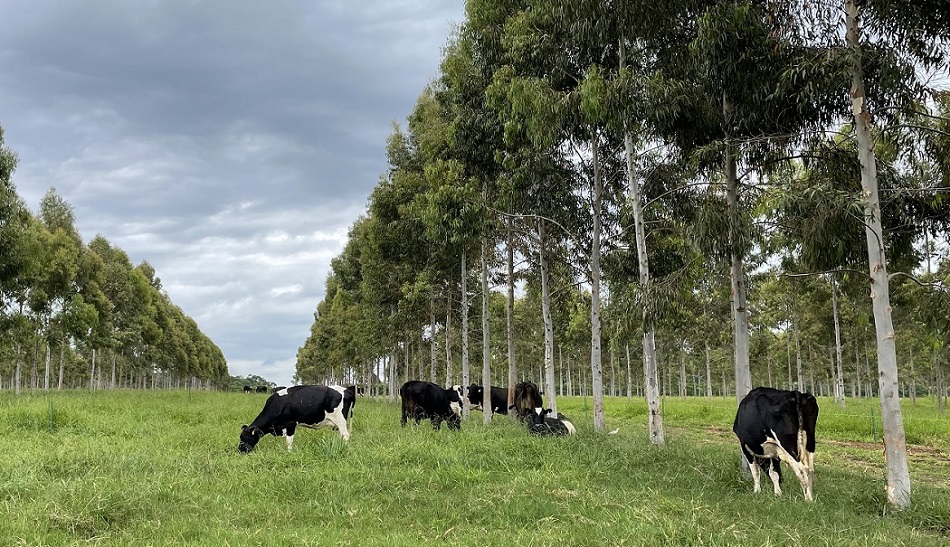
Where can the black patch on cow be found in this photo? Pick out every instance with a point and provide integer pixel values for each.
(426, 400)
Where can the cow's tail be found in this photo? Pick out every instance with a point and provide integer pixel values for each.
(349, 401)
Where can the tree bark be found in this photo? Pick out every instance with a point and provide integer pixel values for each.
(510, 320)
(433, 346)
(650, 376)
(448, 339)
(465, 370)
(546, 317)
(740, 312)
(596, 370)
(839, 356)
(486, 341)
(898, 472)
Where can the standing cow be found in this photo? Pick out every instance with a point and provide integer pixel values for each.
(527, 398)
(306, 406)
(499, 398)
(775, 425)
(427, 400)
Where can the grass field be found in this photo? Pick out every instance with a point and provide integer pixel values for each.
(161, 468)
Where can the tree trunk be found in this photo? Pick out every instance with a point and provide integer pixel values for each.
(449, 373)
(682, 382)
(650, 377)
(62, 365)
(798, 361)
(898, 473)
(629, 375)
(465, 371)
(839, 353)
(709, 393)
(486, 341)
(46, 372)
(112, 383)
(546, 317)
(510, 323)
(433, 346)
(596, 370)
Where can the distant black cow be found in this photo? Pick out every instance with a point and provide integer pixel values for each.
(427, 400)
(540, 423)
(261, 389)
(775, 425)
(499, 398)
(527, 398)
(306, 406)
(247, 389)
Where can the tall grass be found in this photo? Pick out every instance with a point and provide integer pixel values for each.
(161, 468)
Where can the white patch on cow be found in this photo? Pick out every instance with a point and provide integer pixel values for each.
(290, 441)
(281, 392)
(334, 418)
(569, 426)
(457, 407)
(804, 469)
(773, 474)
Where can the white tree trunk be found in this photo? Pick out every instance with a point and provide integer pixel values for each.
(546, 318)
(46, 373)
(510, 320)
(465, 370)
(898, 472)
(650, 377)
(596, 369)
(486, 341)
(433, 346)
(708, 375)
(740, 312)
(839, 355)
(448, 339)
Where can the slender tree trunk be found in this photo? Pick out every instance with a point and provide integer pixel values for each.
(740, 313)
(596, 369)
(682, 385)
(62, 365)
(798, 361)
(465, 372)
(913, 381)
(486, 340)
(629, 375)
(898, 472)
(650, 374)
(112, 382)
(709, 392)
(19, 370)
(839, 353)
(449, 373)
(546, 317)
(433, 346)
(510, 320)
(46, 372)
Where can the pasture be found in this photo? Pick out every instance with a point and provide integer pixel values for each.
(161, 468)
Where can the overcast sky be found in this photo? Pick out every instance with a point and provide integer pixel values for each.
(229, 143)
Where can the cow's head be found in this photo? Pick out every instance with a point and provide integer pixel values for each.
(475, 394)
(250, 436)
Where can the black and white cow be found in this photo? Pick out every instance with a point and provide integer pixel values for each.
(260, 389)
(499, 398)
(775, 425)
(247, 389)
(540, 423)
(306, 406)
(427, 400)
(527, 398)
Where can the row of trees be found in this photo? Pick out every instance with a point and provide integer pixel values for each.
(80, 315)
(663, 179)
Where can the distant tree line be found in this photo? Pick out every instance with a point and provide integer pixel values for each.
(75, 315)
(708, 189)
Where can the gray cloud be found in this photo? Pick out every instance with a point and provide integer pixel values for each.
(230, 144)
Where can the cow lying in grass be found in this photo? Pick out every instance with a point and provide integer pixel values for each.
(540, 423)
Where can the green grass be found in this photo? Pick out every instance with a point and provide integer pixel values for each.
(161, 468)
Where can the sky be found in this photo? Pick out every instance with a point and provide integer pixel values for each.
(229, 143)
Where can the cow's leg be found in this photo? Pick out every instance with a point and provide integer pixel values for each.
(774, 475)
(804, 470)
(754, 469)
(336, 417)
(289, 438)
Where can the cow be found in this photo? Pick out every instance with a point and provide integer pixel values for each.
(499, 398)
(775, 425)
(306, 406)
(427, 400)
(527, 398)
(247, 389)
(540, 423)
(260, 389)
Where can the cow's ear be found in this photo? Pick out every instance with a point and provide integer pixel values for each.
(243, 428)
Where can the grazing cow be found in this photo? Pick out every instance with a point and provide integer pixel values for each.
(499, 398)
(775, 425)
(260, 389)
(540, 423)
(306, 406)
(527, 398)
(427, 400)
(247, 389)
